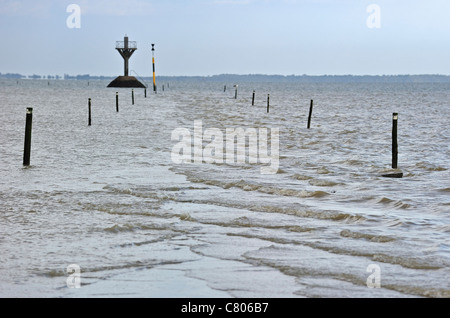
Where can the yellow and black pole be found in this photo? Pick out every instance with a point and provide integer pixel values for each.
(153, 60)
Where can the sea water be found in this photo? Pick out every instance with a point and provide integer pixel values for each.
(105, 210)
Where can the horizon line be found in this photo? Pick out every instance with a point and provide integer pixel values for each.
(236, 74)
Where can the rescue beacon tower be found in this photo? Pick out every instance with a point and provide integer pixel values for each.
(126, 49)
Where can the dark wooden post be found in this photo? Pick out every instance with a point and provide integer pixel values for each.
(394, 150)
(310, 113)
(27, 147)
(394, 141)
(89, 112)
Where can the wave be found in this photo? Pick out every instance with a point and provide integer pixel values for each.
(300, 177)
(278, 259)
(127, 227)
(241, 184)
(424, 263)
(395, 204)
(409, 262)
(369, 237)
(298, 212)
(130, 265)
(323, 183)
(323, 170)
(146, 193)
(429, 167)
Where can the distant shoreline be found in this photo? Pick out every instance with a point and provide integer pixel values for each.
(424, 78)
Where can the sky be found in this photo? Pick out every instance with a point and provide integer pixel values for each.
(209, 37)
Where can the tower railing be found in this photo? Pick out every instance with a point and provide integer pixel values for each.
(121, 45)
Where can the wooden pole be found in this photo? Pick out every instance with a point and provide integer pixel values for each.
(235, 92)
(132, 96)
(310, 113)
(394, 141)
(268, 98)
(117, 101)
(27, 146)
(253, 98)
(89, 111)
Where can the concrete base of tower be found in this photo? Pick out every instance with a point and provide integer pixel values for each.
(126, 81)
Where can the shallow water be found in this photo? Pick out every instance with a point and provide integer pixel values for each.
(109, 198)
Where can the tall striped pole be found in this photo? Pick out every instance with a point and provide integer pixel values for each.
(153, 60)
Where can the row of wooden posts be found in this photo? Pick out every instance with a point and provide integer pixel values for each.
(268, 102)
(394, 129)
(253, 96)
(29, 119)
(117, 103)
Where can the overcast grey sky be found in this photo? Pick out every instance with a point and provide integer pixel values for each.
(207, 37)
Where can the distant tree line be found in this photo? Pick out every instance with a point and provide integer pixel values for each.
(235, 78)
(11, 75)
(58, 77)
(86, 77)
(34, 76)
